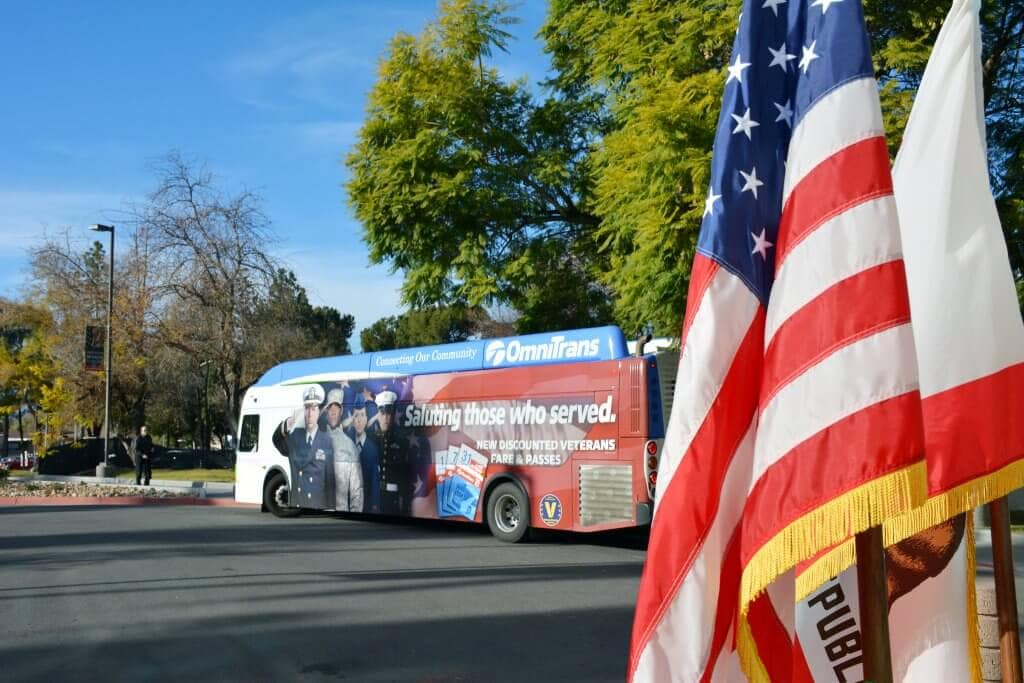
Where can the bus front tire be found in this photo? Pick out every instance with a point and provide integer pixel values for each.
(275, 496)
(508, 513)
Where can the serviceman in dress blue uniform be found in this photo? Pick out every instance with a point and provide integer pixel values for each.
(310, 454)
(368, 450)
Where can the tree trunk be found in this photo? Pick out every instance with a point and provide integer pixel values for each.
(35, 422)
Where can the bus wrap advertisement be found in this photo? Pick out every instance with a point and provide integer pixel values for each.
(425, 445)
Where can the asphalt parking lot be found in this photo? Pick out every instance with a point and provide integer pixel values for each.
(151, 593)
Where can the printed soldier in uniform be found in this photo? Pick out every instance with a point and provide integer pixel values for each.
(368, 451)
(395, 468)
(348, 473)
(310, 453)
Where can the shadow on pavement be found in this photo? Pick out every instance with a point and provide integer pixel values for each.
(198, 593)
(632, 538)
(278, 646)
(334, 585)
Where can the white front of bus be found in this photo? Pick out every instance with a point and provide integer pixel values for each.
(263, 409)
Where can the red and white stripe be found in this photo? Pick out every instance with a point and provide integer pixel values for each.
(712, 415)
(839, 403)
(836, 405)
(967, 324)
(969, 345)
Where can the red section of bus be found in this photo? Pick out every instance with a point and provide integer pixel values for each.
(575, 398)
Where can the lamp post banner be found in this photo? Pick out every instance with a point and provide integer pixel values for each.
(94, 343)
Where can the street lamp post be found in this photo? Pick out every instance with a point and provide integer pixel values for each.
(104, 468)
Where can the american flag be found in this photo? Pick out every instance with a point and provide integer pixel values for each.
(797, 420)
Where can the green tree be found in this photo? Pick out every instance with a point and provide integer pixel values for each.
(382, 335)
(72, 286)
(29, 374)
(463, 182)
(586, 203)
(422, 327)
(13, 334)
(318, 330)
(658, 69)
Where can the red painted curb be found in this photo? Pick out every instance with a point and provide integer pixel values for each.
(227, 502)
(121, 500)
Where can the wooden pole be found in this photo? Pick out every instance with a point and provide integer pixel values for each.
(874, 606)
(1006, 590)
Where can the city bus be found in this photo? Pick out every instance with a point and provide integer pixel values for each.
(560, 430)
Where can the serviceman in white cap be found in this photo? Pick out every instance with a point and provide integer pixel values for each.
(310, 453)
(348, 475)
(395, 487)
(386, 410)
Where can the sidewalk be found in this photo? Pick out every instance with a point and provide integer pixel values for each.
(985, 592)
(983, 553)
(185, 492)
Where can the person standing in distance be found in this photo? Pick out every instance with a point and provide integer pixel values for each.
(348, 473)
(143, 456)
(310, 453)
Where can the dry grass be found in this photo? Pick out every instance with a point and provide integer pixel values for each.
(183, 475)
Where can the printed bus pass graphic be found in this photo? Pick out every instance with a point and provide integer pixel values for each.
(550, 509)
(460, 475)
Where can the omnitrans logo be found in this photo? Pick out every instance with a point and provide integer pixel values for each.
(500, 353)
(495, 353)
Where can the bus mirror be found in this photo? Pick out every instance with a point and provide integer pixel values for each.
(642, 339)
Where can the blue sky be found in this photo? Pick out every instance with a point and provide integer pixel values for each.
(268, 95)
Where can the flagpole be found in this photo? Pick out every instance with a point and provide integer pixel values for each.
(874, 606)
(1006, 591)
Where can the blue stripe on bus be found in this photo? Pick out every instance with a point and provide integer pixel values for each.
(596, 343)
(655, 416)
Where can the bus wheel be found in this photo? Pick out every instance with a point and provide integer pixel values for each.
(275, 496)
(508, 513)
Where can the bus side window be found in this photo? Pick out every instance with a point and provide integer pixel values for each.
(249, 434)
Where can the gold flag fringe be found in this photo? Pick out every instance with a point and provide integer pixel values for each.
(963, 498)
(825, 568)
(973, 638)
(746, 649)
(935, 510)
(843, 557)
(831, 523)
(827, 525)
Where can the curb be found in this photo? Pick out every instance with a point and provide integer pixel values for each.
(121, 501)
(199, 489)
